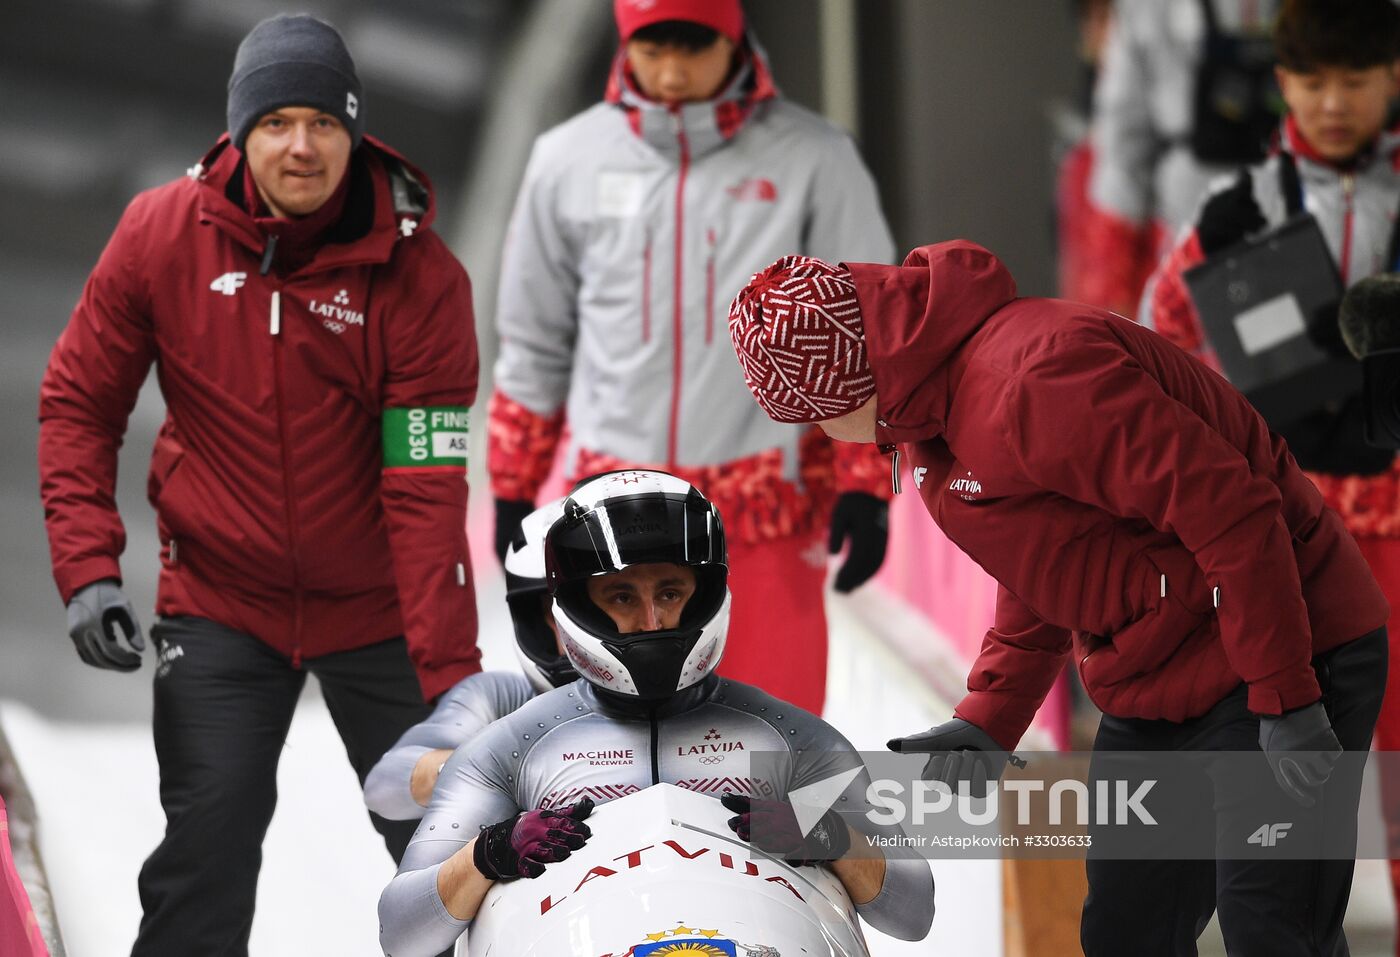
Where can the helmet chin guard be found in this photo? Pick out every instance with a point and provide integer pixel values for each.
(617, 520)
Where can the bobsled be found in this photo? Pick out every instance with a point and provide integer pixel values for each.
(664, 875)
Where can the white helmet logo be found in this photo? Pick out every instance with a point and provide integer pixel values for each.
(352, 105)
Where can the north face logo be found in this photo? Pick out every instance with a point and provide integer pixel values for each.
(758, 190)
(229, 283)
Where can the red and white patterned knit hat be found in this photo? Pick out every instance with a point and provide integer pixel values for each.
(798, 333)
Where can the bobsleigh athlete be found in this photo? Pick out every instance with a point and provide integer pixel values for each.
(399, 785)
(637, 568)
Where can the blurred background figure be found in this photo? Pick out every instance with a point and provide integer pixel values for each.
(637, 222)
(1185, 92)
(1078, 222)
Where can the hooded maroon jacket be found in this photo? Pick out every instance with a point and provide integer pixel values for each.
(276, 513)
(1116, 488)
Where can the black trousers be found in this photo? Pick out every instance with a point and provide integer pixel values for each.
(1271, 908)
(223, 704)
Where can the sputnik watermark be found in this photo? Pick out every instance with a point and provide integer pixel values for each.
(1108, 805)
(1113, 804)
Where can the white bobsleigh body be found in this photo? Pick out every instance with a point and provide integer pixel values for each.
(663, 875)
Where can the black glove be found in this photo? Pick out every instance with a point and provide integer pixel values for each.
(98, 616)
(962, 756)
(509, 514)
(1302, 749)
(1229, 216)
(521, 846)
(865, 520)
(772, 826)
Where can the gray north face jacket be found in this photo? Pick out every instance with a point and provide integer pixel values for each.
(635, 226)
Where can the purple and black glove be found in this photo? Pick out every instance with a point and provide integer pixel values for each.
(772, 826)
(521, 846)
(865, 521)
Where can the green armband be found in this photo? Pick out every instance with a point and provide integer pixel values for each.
(430, 437)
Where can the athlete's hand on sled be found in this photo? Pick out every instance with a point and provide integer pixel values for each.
(961, 755)
(104, 628)
(772, 826)
(521, 846)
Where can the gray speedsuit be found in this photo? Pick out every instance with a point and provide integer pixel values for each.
(471, 705)
(573, 743)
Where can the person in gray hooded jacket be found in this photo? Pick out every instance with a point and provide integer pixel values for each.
(636, 222)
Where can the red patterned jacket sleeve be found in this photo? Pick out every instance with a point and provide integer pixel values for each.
(1111, 262)
(520, 446)
(860, 467)
(1170, 309)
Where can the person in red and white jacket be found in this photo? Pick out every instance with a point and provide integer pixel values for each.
(1147, 173)
(637, 221)
(1336, 160)
(314, 345)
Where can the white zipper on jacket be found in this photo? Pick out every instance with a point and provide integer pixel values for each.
(275, 320)
(894, 472)
(1348, 193)
(710, 288)
(678, 298)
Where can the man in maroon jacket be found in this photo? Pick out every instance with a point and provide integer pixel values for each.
(1135, 510)
(314, 344)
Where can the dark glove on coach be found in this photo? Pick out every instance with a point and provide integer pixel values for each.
(1302, 750)
(963, 756)
(865, 521)
(509, 514)
(1229, 216)
(521, 846)
(99, 616)
(772, 826)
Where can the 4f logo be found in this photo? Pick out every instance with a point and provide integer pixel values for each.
(352, 106)
(919, 473)
(229, 283)
(1269, 835)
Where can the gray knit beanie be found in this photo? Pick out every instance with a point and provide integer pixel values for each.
(293, 61)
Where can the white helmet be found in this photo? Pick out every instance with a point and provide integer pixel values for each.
(635, 517)
(527, 594)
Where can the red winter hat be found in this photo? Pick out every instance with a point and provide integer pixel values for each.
(800, 340)
(724, 16)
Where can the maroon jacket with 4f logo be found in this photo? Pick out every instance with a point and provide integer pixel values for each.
(277, 514)
(1131, 503)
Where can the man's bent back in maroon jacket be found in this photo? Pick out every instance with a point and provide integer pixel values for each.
(1129, 501)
